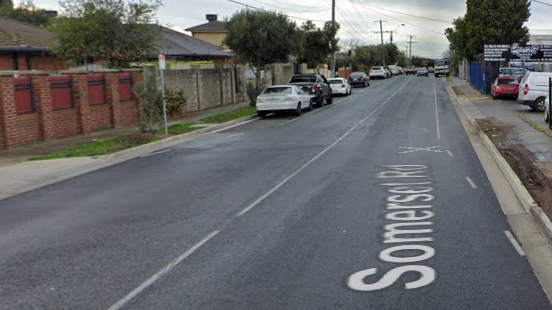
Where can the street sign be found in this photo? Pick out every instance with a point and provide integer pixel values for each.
(529, 53)
(162, 63)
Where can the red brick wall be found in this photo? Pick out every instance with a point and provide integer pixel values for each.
(6, 62)
(100, 117)
(66, 123)
(47, 62)
(28, 128)
(22, 62)
(129, 113)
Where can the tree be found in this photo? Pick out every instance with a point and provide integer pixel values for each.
(489, 22)
(26, 12)
(261, 38)
(316, 43)
(113, 30)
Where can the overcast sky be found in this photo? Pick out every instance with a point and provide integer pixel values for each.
(355, 16)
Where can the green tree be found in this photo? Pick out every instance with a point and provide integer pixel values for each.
(261, 38)
(489, 22)
(316, 43)
(113, 30)
(26, 12)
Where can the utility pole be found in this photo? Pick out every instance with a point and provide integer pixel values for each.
(333, 25)
(381, 32)
(410, 42)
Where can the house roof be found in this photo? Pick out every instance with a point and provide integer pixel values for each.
(22, 36)
(212, 26)
(180, 44)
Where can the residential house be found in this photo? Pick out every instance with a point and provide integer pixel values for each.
(214, 31)
(182, 47)
(25, 47)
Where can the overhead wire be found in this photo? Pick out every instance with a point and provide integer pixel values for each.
(261, 9)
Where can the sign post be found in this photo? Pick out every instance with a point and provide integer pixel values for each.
(162, 67)
(549, 102)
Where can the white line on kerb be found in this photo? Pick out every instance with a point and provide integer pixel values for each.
(514, 243)
(471, 182)
(450, 153)
(283, 182)
(436, 110)
(237, 135)
(156, 153)
(159, 274)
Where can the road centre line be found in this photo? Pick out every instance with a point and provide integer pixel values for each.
(514, 242)
(471, 182)
(436, 110)
(236, 135)
(162, 272)
(450, 153)
(283, 182)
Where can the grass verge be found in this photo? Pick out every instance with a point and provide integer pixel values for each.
(532, 124)
(229, 116)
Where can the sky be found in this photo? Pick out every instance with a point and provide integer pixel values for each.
(425, 20)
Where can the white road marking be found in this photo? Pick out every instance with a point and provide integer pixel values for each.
(156, 153)
(162, 272)
(471, 182)
(386, 101)
(450, 153)
(427, 149)
(283, 182)
(436, 110)
(514, 243)
(236, 135)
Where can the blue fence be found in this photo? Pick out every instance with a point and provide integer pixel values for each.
(477, 76)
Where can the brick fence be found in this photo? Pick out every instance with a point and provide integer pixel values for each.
(37, 106)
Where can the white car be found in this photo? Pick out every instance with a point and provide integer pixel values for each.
(283, 98)
(533, 89)
(546, 110)
(377, 73)
(340, 86)
(394, 70)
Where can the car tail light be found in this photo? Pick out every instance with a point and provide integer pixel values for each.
(343, 86)
(526, 89)
(313, 88)
(362, 78)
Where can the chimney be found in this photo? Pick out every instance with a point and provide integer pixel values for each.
(211, 17)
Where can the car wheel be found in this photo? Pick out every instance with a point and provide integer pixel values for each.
(298, 110)
(262, 114)
(311, 106)
(368, 84)
(539, 105)
(329, 100)
(322, 102)
(546, 116)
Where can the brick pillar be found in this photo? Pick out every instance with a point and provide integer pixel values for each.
(137, 79)
(8, 114)
(42, 96)
(80, 84)
(112, 89)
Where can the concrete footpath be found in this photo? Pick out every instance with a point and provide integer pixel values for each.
(19, 175)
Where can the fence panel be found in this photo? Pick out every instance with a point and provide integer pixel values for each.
(96, 89)
(125, 86)
(477, 76)
(23, 95)
(62, 90)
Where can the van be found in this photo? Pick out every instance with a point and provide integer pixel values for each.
(533, 89)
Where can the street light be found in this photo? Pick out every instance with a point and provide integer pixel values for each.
(395, 31)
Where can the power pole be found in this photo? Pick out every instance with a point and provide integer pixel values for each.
(410, 42)
(334, 56)
(381, 32)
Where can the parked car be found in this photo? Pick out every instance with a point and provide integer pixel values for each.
(410, 71)
(505, 86)
(513, 72)
(431, 70)
(377, 72)
(533, 89)
(546, 110)
(317, 85)
(283, 98)
(388, 73)
(359, 78)
(422, 72)
(394, 70)
(401, 70)
(340, 86)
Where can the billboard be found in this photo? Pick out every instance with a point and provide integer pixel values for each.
(530, 53)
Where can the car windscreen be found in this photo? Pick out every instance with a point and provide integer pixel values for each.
(507, 81)
(303, 79)
(277, 91)
(336, 81)
(357, 75)
(377, 68)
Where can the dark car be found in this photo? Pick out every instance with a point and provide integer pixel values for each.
(505, 87)
(422, 72)
(317, 85)
(359, 78)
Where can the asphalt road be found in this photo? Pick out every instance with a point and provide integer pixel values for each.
(375, 202)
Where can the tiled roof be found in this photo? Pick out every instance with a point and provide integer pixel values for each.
(212, 26)
(18, 34)
(181, 44)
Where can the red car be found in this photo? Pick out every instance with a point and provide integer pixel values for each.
(505, 87)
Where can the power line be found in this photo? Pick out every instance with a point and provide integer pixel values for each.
(345, 20)
(352, 19)
(544, 3)
(410, 23)
(406, 14)
(290, 16)
(354, 6)
(295, 10)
